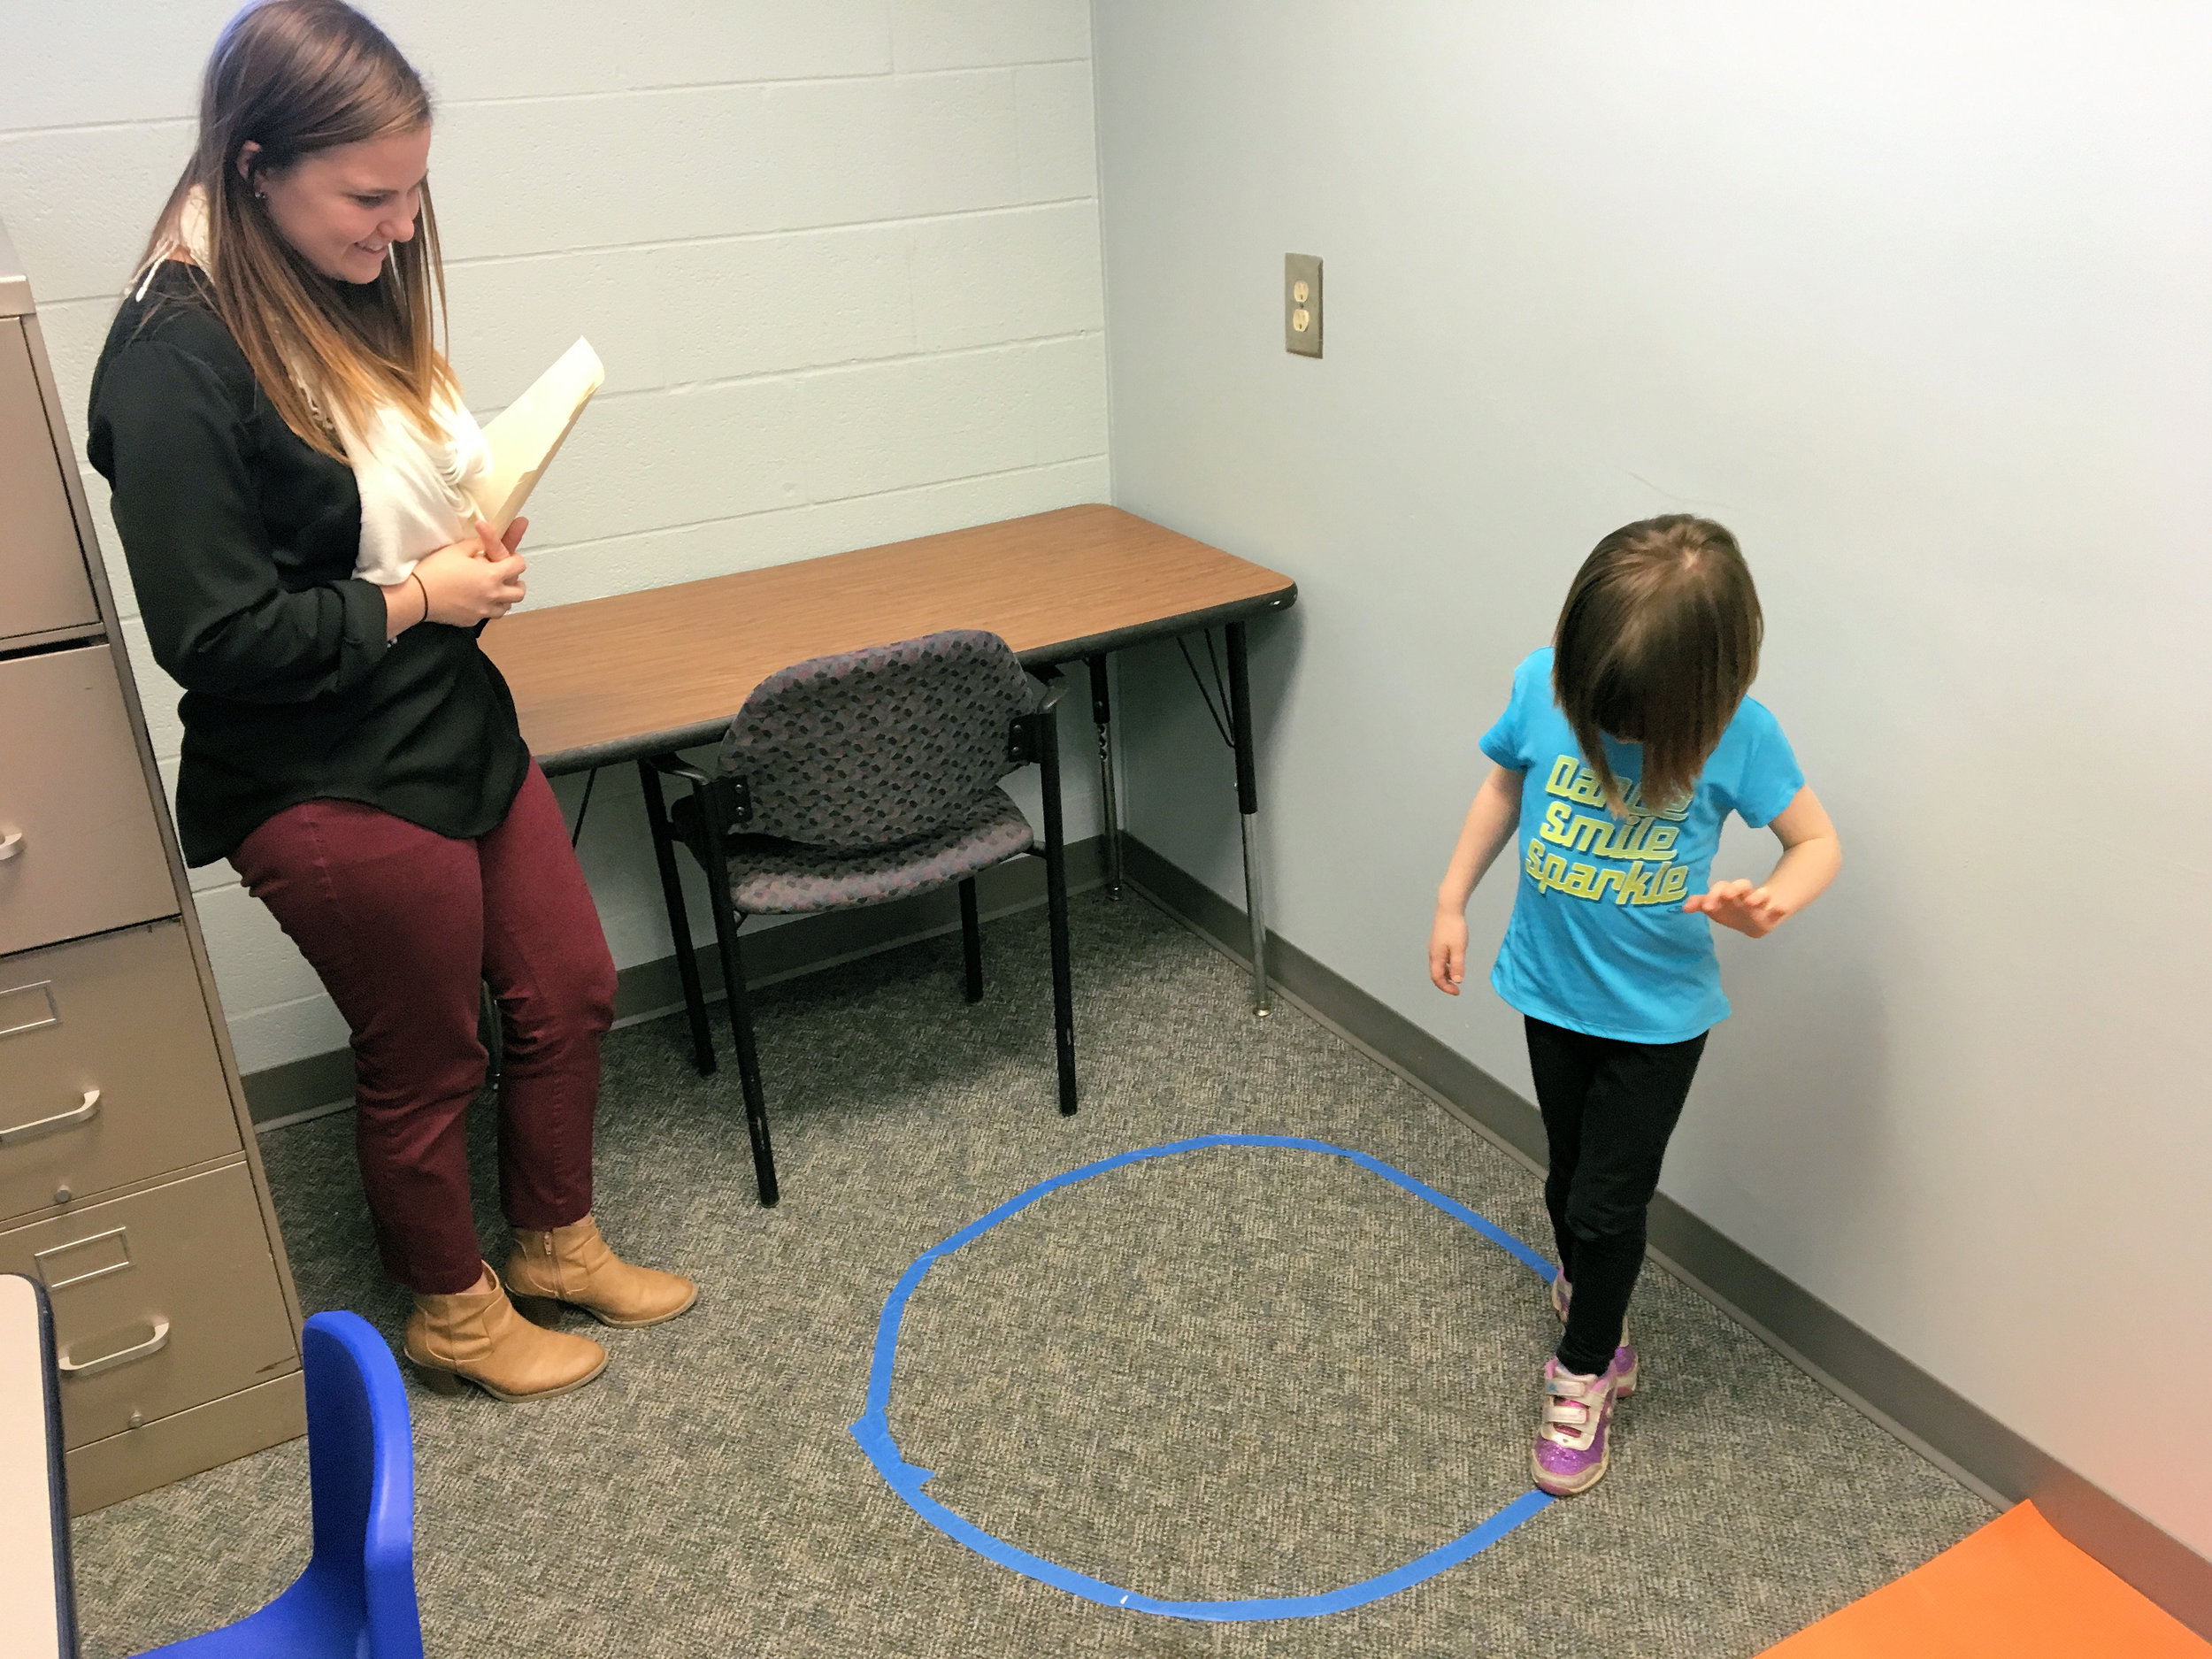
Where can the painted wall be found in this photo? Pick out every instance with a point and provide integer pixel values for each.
(841, 259)
(1918, 299)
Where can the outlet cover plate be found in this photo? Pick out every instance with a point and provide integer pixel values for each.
(1301, 304)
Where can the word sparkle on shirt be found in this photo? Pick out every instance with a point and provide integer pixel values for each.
(1645, 840)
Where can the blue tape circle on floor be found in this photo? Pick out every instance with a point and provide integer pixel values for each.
(873, 1430)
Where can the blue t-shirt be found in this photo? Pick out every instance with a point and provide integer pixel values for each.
(1599, 940)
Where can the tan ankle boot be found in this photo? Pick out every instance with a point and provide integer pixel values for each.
(478, 1335)
(573, 1265)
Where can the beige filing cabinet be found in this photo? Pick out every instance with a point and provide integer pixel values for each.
(129, 1182)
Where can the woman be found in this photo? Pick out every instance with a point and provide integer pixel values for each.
(287, 451)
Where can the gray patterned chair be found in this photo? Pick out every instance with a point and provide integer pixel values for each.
(854, 780)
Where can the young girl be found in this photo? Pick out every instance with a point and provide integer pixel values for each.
(1624, 747)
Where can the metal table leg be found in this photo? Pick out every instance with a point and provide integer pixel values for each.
(1101, 715)
(1248, 810)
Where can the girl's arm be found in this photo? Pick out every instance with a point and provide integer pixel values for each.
(1810, 857)
(1491, 822)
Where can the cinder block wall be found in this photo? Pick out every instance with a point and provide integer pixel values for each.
(841, 259)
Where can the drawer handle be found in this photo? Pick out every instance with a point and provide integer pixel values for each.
(49, 1126)
(10, 844)
(153, 1344)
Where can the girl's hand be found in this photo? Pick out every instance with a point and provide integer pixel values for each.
(1810, 855)
(1489, 827)
(474, 581)
(1448, 950)
(1752, 910)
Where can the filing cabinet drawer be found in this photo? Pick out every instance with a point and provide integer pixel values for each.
(79, 848)
(121, 1466)
(47, 586)
(109, 1072)
(162, 1301)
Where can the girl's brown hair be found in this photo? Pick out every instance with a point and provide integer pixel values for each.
(296, 76)
(1657, 644)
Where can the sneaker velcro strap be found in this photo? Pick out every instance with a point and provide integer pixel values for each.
(1568, 1431)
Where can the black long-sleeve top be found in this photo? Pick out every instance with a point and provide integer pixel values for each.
(241, 540)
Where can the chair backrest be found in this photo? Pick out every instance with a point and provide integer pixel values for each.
(874, 747)
(361, 1465)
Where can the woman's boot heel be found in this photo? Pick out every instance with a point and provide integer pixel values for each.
(476, 1336)
(439, 1382)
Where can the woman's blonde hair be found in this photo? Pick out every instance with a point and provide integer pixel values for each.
(1657, 644)
(296, 76)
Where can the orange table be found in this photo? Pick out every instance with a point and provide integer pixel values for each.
(641, 674)
(2013, 1590)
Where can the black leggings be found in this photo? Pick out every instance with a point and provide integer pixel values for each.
(1609, 1109)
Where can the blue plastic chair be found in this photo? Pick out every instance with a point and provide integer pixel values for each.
(357, 1599)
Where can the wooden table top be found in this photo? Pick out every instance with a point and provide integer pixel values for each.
(639, 673)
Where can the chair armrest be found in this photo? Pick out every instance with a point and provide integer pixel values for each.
(723, 802)
(1031, 735)
(676, 766)
(1051, 686)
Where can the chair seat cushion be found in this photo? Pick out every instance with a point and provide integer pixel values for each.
(779, 877)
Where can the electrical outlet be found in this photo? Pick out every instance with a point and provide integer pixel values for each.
(1301, 304)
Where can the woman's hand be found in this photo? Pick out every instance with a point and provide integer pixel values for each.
(1448, 950)
(498, 547)
(474, 581)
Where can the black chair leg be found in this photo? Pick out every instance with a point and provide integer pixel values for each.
(971, 940)
(741, 1028)
(491, 1031)
(679, 923)
(1057, 908)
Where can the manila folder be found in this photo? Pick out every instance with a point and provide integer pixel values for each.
(524, 436)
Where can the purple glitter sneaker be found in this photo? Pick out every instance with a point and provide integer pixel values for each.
(1623, 1356)
(1572, 1450)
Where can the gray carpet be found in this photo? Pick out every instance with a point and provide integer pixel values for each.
(1236, 1372)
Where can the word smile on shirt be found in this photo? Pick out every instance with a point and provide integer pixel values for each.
(1645, 840)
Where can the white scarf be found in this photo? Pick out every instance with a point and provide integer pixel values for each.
(414, 492)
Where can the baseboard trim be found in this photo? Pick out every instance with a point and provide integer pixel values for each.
(321, 1084)
(1926, 1415)
(299, 1089)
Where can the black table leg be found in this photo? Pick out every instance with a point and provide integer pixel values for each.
(1248, 810)
(1102, 716)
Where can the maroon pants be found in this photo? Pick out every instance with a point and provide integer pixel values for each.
(404, 924)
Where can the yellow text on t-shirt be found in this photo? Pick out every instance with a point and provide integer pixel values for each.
(1644, 840)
